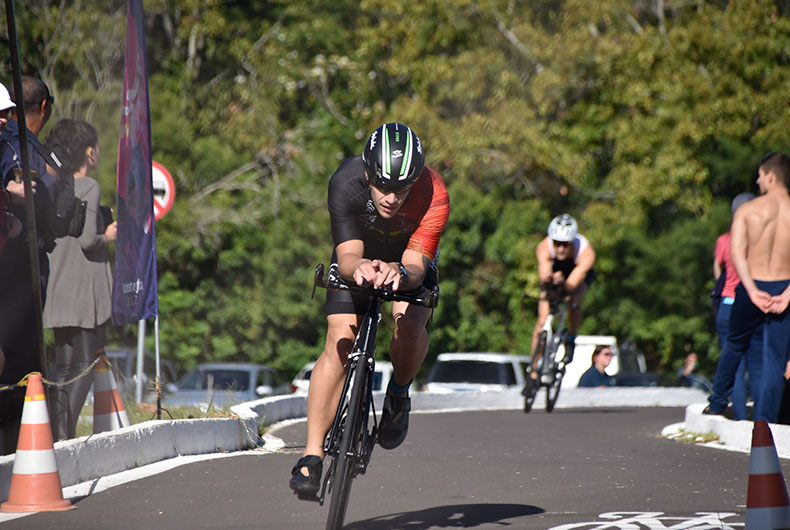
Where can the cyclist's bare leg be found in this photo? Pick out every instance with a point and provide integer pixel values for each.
(575, 312)
(409, 343)
(543, 314)
(326, 381)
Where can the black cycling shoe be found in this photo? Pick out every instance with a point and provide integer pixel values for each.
(527, 390)
(394, 424)
(306, 487)
(570, 346)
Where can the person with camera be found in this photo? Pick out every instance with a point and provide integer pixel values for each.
(18, 328)
(387, 212)
(10, 226)
(78, 294)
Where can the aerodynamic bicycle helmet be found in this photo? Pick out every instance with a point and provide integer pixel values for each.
(563, 228)
(393, 158)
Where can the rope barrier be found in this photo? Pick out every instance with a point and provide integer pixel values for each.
(84, 372)
(23, 382)
(156, 384)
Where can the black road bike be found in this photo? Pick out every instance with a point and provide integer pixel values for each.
(550, 369)
(349, 442)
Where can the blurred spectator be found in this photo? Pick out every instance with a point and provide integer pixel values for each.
(723, 267)
(10, 226)
(687, 377)
(596, 375)
(78, 295)
(19, 336)
(685, 372)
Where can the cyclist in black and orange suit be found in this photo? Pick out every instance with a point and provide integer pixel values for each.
(388, 211)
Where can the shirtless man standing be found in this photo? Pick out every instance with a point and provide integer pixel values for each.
(760, 249)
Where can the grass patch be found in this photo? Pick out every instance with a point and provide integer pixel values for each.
(694, 437)
(140, 413)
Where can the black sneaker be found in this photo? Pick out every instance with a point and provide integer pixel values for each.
(394, 424)
(708, 411)
(306, 487)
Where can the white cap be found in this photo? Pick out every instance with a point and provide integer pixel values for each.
(5, 99)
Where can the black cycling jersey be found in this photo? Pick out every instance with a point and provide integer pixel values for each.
(417, 225)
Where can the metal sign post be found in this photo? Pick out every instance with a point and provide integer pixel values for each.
(164, 192)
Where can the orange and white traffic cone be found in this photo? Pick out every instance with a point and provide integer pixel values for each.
(767, 503)
(108, 410)
(35, 482)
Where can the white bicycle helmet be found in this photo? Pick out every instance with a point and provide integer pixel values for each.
(563, 228)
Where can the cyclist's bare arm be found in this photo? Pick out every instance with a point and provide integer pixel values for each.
(543, 253)
(416, 264)
(351, 264)
(584, 262)
(378, 273)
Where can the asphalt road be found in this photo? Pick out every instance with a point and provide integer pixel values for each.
(608, 468)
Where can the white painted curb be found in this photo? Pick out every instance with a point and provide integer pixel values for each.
(733, 435)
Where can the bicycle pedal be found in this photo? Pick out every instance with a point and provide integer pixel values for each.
(306, 497)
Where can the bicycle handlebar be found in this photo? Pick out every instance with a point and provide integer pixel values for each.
(386, 293)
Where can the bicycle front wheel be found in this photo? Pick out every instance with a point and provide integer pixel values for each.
(553, 391)
(533, 385)
(553, 387)
(345, 461)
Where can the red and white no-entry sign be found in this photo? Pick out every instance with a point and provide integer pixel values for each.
(164, 190)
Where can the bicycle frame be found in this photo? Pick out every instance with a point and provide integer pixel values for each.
(558, 309)
(350, 440)
(550, 370)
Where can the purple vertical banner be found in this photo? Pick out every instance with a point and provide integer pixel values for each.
(134, 293)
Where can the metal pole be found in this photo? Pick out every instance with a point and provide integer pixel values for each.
(30, 214)
(140, 359)
(158, 374)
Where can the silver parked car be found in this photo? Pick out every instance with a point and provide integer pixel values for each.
(124, 368)
(225, 385)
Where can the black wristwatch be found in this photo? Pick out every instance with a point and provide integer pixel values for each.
(403, 272)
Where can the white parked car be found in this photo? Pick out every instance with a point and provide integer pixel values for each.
(381, 377)
(225, 385)
(484, 372)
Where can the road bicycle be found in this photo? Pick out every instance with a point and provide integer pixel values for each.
(550, 369)
(349, 442)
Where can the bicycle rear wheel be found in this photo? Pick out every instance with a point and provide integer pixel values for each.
(533, 385)
(345, 461)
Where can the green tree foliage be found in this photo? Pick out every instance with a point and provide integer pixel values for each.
(641, 118)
